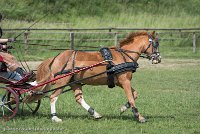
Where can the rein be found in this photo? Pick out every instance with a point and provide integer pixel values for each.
(124, 52)
(20, 49)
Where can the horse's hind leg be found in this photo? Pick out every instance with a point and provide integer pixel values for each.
(54, 97)
(127, 105)
(80, 100)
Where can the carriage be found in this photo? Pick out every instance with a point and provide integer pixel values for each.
(14, 93)
(111, 66)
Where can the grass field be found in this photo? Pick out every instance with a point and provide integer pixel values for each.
(169, 98)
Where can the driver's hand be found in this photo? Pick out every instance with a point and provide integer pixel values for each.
(11, 39)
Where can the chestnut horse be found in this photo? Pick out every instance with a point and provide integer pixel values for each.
(129, 50)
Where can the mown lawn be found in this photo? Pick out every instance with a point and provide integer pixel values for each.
(169, 97)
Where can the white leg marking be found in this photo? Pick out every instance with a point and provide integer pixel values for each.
(53, 111)
(84, 104)
(87, 107)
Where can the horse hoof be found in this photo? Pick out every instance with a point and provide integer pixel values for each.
(143, 120)
(122, 109)
(97, 116)
(56, 119)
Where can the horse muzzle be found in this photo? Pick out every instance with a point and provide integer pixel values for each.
(156, 58)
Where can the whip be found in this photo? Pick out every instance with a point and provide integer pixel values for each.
(31, 26)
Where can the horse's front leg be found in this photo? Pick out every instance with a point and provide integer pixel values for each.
(127, 88)
(53, 99)
(127, 105)
(80, 100)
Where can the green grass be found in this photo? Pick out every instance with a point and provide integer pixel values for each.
(168, 97)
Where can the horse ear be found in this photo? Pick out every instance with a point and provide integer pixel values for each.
(153, 33)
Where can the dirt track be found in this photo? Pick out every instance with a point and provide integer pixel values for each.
(144, 63)
(169, 63)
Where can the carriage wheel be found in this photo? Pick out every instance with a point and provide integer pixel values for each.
(25, 107)
(9, 106)
(32, 107)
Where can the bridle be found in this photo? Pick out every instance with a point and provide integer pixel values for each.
(154, 55)
(154, 44)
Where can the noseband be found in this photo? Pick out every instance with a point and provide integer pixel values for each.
(154, 45)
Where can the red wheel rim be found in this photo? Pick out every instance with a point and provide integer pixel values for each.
(8, 105)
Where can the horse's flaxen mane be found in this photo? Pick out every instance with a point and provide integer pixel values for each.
(130, 37)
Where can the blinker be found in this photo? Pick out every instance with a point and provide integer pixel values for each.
(155, 44)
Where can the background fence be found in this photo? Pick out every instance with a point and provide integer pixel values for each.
(93, 38)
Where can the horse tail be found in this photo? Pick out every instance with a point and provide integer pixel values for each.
(43, 74)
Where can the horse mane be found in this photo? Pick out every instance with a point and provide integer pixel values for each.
(130, 38)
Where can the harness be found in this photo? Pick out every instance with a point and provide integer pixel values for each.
(107, 55)
(63, 71)
(113, 69)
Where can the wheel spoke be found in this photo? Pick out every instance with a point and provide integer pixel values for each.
(1, 103)
(4, 98)
(22, 107)
(8, 108)
(29, 107)
(9, 102)
(2, 110)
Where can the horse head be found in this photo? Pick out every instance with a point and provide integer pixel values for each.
(151, 48)
(142, 43)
